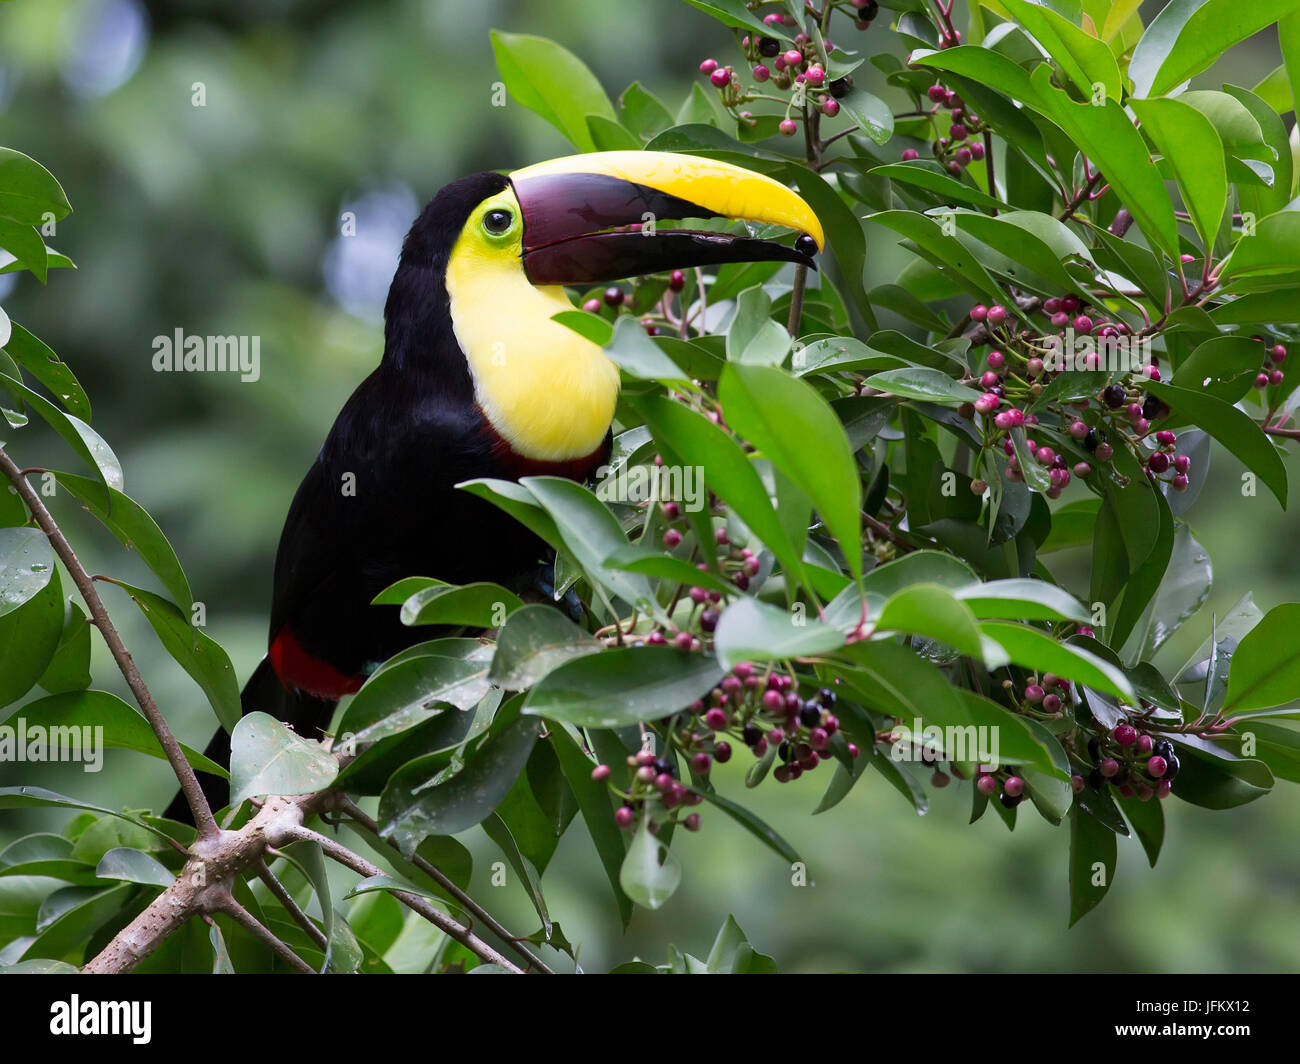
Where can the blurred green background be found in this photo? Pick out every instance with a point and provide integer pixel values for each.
(226, 219)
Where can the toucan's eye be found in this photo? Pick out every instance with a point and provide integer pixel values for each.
(498, 221)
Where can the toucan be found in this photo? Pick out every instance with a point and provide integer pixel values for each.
(477, 379)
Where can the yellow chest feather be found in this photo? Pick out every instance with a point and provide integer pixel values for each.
(546, 390)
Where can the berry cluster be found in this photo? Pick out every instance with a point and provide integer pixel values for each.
(762, 710)
(1270, 372)
(961, 146)
(1135, 763)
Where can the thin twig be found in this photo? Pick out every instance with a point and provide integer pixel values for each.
(283, 896)
(347, 805)
(198, 803)
(444, 923)
(796, 299)
(250, 923)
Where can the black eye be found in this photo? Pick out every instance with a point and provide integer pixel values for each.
(498, 221)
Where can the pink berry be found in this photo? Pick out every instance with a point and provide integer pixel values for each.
(1275, 377)
(1033, 693)
(721, 77)
(1109, 767)
(715, 719)
(1157, 766)
(708, 66)
(761, 73)
(1125, 734)
(1082, 470)
(987, 785)
(979, 312)
(671, 538)
(1277, 353)
(1014, 786)
(793, 58)
(937, 93)
(909, 154)
(1083, 324)
(997, 360)
(1261, 381)
(600, 772)
(1051, 703)
(997, 314)
(1144, 744)
(830, 107)
(623, 816)
(788, 127)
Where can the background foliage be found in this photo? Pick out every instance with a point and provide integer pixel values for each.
(223, 220)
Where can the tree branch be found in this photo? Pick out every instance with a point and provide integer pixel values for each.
(226, 903)
(283, 896)
(337, 852)
(355, 812)
(203, 819)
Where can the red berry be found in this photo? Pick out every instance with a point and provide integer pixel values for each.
(708, 66)
(1125, 735)
(721, 77)
(997, 314)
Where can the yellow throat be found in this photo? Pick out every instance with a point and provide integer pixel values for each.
(549, 392)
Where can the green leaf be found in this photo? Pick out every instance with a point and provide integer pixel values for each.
(1085, 59)
(591, 326)
(754, 337)
(201, 657)
(137, 531)
(24, 243)
(551, 80)
(534, 641)
(1093, 856)
(933, 612)
(594, 804)
(735, 13)
(1236, 430)
(917, 382)
(623, 686)
(1106, 135)
(608, 135)
(643, 112)
(267, 758)
(733, 955)
(949, 254)
(123, 727)
(753, 824)
(73, 915)
(26, 565)
(1187, 36)
(694, 440)
(872, 114)
(133, 866)
(1035, 649)
(928, 176)
(479, 605)
(1214, 778)
(650, 873)
(1148, 823)
(1224, 366)
(1191, 146)
(1274, 247)
(414, 806)
(592, 534)
(1022, 600)
(1266, 665)
(518, 502)
(49, 369)
(798, 431)
(28, 191)
(29, 637)
(407, 693)
(637, 355)
(753, 631)
(88, 444)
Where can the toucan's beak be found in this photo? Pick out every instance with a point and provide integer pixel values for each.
(589, 219)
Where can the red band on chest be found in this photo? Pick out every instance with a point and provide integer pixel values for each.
(299, 669)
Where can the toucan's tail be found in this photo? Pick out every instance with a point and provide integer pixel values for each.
(263, 693)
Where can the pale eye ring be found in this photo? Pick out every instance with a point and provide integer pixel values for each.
(498, 221)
